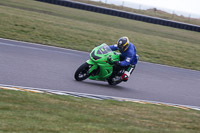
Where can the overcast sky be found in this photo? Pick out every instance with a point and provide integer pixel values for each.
(181, 7)
(190, 6)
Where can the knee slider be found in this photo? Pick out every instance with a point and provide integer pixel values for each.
(124, 77)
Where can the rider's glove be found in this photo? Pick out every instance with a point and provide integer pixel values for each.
(117, 63)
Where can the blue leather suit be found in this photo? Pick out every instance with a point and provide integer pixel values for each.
(129, 55)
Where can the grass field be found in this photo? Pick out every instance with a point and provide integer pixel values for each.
(25, 112)
(149, 12)
(33, 21)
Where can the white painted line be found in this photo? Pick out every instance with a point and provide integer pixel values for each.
(40, 49)
(169, 66)
(43, 45)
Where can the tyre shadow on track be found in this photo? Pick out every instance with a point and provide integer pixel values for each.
(104, 85)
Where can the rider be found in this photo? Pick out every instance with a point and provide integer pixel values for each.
(128, 57)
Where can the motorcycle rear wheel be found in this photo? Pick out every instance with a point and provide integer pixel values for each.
(111, 82)
(82, 72)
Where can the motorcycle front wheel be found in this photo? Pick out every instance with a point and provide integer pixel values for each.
(82, 72)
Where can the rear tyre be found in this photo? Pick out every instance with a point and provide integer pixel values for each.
(82, 72)
(112, 82)
(115, 79)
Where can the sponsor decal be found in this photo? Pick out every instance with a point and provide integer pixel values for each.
(128, 59)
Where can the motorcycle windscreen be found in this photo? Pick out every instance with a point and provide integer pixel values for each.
(104, 49)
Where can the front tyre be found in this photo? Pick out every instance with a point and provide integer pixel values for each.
(82, 72)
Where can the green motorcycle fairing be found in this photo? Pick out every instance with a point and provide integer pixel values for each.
(98, 61)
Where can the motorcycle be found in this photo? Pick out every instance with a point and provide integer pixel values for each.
(100, 66)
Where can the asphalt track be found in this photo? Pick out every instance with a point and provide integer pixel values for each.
(39, 66)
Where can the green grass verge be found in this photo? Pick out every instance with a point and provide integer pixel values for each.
(33, 21)
(25, 112)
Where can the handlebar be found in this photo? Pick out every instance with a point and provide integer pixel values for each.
(110, 60)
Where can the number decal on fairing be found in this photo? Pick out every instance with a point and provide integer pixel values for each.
(128, 59)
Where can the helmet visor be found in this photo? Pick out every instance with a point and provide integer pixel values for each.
(121, 50)
(120, 47)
